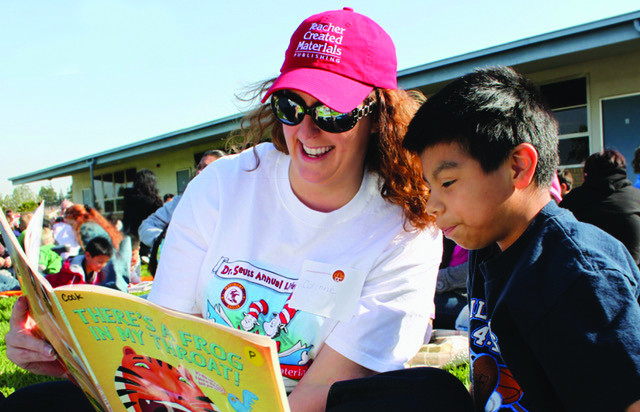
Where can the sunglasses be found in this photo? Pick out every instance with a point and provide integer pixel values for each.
(290, 109)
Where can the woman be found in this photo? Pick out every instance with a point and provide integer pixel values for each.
(334, 193)
(140, 201)
(87, 223)
(333, 210)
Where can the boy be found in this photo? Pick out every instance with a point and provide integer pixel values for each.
(85, 268)
(554, 316)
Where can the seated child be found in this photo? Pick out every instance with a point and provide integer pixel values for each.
(49, 261)
(25, 218)
(7, 279)
(555, 320)
(87, 267)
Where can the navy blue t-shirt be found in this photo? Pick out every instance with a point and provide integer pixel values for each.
(555, 320)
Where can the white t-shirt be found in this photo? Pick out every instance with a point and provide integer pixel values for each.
(238, 242)
(63, 234)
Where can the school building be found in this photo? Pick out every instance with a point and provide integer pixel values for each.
(589, 73)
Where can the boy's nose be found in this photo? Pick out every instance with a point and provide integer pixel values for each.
(434, 205)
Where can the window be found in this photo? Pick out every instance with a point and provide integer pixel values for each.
(183, 177)
(568, 100)
(110, 187)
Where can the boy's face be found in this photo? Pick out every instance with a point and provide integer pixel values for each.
(24, 222)
(95, 263)
(471, 207)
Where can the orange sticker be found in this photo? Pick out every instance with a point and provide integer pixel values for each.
(338, 276)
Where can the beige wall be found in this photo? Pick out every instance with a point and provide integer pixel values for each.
(164, 165)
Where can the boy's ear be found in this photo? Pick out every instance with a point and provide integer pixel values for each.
(524, 160)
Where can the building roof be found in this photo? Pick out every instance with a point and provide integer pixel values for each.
(599, 39)
(205, 132)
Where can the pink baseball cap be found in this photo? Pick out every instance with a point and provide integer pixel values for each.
(338, 57)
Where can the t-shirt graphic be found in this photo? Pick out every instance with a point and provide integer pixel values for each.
(494, 388)
(253, 299)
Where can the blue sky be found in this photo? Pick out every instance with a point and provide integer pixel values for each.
(81, 76)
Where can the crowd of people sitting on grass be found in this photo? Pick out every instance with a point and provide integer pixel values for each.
(361, 179)
(80, 246)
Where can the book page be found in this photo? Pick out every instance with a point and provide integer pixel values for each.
(33, 236)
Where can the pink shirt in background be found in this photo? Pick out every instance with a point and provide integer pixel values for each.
(459, 256)
(556, 192)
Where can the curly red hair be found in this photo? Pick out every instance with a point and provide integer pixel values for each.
(81, 214)
(400, 170)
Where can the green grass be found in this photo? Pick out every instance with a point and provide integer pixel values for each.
(460, 371)
(144, 271)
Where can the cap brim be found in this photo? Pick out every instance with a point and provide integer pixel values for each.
(338, 92)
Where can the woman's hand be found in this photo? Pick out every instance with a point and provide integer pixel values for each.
(26, 349)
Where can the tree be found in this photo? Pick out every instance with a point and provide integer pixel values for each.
(4, 202)
(49, 195)
(28, 206)
(21, 194)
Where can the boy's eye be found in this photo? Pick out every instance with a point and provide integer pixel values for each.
(448, 183)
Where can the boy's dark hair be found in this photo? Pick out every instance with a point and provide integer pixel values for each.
(488, 113)
(99, 246)
(604, 163)
(167, 196)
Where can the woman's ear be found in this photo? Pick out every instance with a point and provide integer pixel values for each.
(524, 161)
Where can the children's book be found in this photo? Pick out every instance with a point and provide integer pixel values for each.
(128, 354)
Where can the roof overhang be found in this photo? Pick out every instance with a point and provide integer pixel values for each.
(206, 132)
